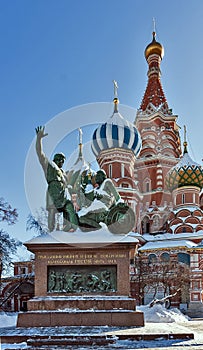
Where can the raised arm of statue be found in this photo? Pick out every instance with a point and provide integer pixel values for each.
(39, 149)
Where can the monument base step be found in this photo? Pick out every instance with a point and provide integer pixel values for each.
(80, 318)
(74, 341)
(35, 342)
(81, 302)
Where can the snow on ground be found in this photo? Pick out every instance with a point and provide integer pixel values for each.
(14, 346)
(158, 313)
(170, 320)
(8, 319)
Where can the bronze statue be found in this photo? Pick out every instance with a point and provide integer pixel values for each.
(102, 203)
(58, 198)
(106, 207)
(102, 197)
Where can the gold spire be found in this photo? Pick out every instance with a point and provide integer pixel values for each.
(185, 140)
(115, 100)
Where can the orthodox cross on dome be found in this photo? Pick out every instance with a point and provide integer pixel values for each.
(154, 28)
(115, 88)
(80, 142)
(80, 135)
(154, 24)
(115, 100)
(185, 134)
(185, 140)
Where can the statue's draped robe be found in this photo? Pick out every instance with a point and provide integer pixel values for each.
(57, 192)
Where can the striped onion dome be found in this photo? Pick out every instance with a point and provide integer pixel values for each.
(185, 173)
(117, 132)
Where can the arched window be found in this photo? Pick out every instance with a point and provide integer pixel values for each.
(145, 225)
(147, 185)
(184, 258)
(152, 258)
(165, 257)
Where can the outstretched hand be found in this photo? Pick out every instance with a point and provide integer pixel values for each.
(40, 131)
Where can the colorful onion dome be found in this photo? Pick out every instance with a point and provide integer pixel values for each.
(117, 132)
(154, 48)
(185, 173)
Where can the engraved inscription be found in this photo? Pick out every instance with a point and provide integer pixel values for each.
(82, 258)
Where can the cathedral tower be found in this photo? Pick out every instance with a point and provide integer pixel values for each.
(160, 144)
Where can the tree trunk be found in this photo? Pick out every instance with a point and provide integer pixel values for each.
(164, 301)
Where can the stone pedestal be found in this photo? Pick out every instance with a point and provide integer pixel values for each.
(82, 279)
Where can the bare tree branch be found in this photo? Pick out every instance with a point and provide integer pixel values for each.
(8, 245)
(7, 214)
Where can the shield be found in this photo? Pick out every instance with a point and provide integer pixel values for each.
(120, 219)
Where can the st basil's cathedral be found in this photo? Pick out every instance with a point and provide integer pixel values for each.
(157, 178)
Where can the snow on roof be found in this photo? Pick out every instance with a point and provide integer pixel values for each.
(138, 236)
(186, 160)
(191, 208)
(171, 236)
(173, 227)
(167, 244)
(78, 237)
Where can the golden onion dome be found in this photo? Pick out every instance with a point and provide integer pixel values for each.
(185, 173)
(154, 48)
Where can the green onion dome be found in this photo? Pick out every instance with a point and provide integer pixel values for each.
(185, 173)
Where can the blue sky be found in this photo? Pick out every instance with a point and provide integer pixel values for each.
(58, 54)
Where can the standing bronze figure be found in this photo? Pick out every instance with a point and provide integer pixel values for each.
(58, 198)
